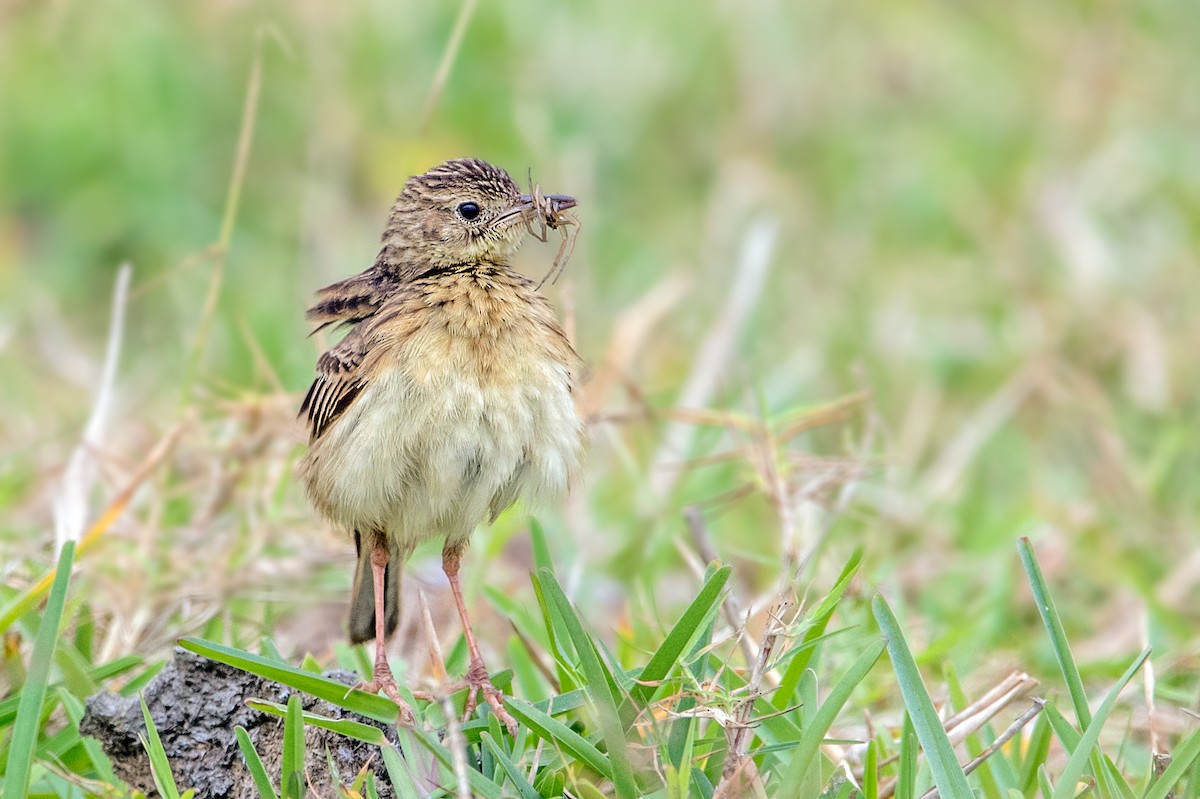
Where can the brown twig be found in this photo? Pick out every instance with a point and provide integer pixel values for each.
(465, 12)
(233, 197)
(738, 736)
(995, 745)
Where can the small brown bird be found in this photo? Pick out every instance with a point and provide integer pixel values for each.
(449, 398)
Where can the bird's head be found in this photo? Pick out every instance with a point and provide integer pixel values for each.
(464, 211)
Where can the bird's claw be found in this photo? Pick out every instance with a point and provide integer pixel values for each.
(386, 682)
(478, 682)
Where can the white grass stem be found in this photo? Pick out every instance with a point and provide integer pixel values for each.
(71, 506)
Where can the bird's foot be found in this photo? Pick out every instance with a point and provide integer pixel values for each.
(479, 682)
(386, 681)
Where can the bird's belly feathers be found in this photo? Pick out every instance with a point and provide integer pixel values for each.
(444, 438)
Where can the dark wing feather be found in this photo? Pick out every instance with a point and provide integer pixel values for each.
(339, 381)
(348, 301)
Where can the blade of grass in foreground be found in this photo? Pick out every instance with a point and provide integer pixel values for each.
(1074, 769)
(348, 727)
(906, 771)
(681, 634)
(480, 786)
(817, 621)
(370, 705)
(291, 769)
(870, 781)
(8, 707)
(947, 773)
(1185, 754)
(254, 764)
(822, 720)
(555, 733)
(400, 773)
(160, 767)
(601, 687)
(100, 762)
(1054, 627)
(33, 693)
(509, 767)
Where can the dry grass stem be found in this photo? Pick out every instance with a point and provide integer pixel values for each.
(630, 333)
(954, 460)
(437, 662)
(738, 736)
(972, 718)
(992, 748)
(711, 361)
(465, 12)
(458, 749)
(233, 198)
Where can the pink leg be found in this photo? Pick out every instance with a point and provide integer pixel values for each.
(477, 673)
(384, 679)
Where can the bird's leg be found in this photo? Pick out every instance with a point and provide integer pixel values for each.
(477, 673)
(384, 679)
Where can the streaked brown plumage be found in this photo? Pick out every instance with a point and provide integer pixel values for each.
(448, 399)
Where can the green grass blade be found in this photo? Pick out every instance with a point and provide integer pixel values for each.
(555, 634)
(818, 620)
(685, 630)
(37, 679)
(509, 768)
(541, 546)
(947, 773)
(1054, 627)
(480, 786)
(291, 770)
(399, 773)
(602, 685)
(870, 782)
(1083, 752)
(1113, 781)
(1067, 735)
(160, 767)
(1185, 754)
(370, 705)
(809, 785)
(1037, 750)
(554, 732)
(254, 764)
(1044, 782)
(8, 707)
(347, 727)
(601, 688)
(100, 762)
(817, 724)
(987, 779)
(906, 780)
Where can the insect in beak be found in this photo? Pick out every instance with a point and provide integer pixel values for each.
(550, 211)
(548, 205)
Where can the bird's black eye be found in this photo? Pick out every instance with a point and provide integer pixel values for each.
(468, 211)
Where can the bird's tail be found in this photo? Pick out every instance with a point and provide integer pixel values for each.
(362, 600)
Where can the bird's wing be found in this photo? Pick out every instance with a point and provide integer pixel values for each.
(348, 301)
(349, 367)
(340, 378)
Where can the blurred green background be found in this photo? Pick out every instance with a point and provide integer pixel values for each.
(986, 215)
